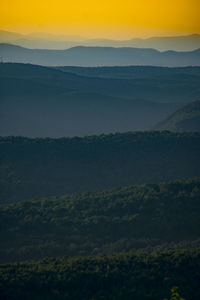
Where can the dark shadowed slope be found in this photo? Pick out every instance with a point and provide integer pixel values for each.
(32, 168)
(41, 101)
(186, 118)
(99, 56)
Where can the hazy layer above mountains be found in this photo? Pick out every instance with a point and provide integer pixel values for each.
(99, 56)
(50, 41)
(39, 101)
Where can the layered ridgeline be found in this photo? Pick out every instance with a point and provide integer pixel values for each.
(32, 168)
(137, 72)
(39, 101)
(119, 277)
(186, 118)
(99, 56)
(150, 217)
(50, 41)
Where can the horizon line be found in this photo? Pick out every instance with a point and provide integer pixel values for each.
(63, 35)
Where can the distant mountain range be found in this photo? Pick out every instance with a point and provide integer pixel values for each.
(50, 41)
(41, 101)
(99, 56)
(186, 118)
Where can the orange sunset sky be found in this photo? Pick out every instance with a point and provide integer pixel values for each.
(111, 18)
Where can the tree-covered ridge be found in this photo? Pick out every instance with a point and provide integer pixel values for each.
(35, 168)
(134, 217)
(186, 118)
(139, 276)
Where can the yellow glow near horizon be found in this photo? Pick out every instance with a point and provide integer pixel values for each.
(113, 18)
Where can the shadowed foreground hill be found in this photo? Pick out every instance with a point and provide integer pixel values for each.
(32, 168)
(144, 216)
(184, 119)
(139, 277)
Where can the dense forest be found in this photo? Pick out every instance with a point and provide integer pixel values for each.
(139, 276)
(136, 217)
(34, 168)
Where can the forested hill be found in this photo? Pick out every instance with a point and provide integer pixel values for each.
(135, 217)
(186, 118)
(32, 168)
(139, 277)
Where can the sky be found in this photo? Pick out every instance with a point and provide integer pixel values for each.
(102, 18)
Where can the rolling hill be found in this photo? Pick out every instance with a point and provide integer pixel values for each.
(131, 218)
(99, 56)
(41, 101)
(186, 118)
